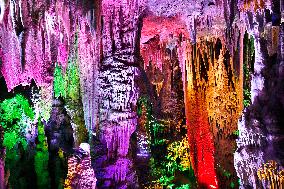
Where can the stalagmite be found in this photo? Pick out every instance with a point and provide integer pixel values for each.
(80, 172)
(117, 89)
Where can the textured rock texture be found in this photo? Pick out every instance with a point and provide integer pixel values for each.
(80, 172)
(117, 88)
(260, 130)
(221, 53)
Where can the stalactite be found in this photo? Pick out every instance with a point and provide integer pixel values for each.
(198, 123)
(183, 61)
(255, 142)
(118, 92)
(209, 76)
(227, 52)
(89, 56)
(153, 52)
(33, 41)
(10, 55)
(253, 5)
(21, 63)
(269, 172)
(257, 81)
(2, 9)
(62, 56)
(159, 34)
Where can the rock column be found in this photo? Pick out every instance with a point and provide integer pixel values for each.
(118, 91)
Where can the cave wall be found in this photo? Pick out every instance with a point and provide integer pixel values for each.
(261, 120)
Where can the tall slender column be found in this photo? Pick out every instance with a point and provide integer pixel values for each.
(118, 91)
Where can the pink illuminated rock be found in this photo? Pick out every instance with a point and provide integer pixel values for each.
(157, 34)
(28, 43)
(62, 55)
(89, 54)
(111, 39)
(118, 92)
(23, 52)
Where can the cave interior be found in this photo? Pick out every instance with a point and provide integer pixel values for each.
(152, 94)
